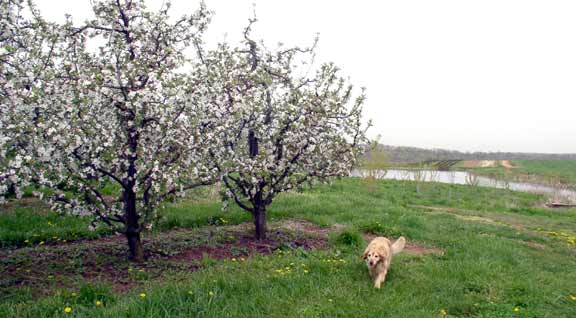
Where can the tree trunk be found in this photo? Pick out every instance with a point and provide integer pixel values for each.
(135, 246)
(132, 228)
(260, 222)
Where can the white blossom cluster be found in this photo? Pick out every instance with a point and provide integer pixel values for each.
(276, 128)
(78, 119)
(115, 106)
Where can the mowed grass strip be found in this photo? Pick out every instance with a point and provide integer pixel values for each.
(484, 270)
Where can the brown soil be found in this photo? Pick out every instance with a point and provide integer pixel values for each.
(302, 226)
(487, 164)
(506, 164)
(247, 246)
(479, 163)
(66, 265)
(104, 260)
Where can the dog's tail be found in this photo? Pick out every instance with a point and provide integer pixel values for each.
(398, 246)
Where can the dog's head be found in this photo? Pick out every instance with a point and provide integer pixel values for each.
(373, 257)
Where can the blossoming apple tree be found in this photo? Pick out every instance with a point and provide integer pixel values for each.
(23, 34)
(110, 111)
(278, 127)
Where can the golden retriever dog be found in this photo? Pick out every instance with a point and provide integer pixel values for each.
(378, 256)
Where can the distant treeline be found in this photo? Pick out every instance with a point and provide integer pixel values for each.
(413, 154)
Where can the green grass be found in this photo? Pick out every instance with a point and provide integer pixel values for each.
(541, 171)
(25, 225)
(501, 251)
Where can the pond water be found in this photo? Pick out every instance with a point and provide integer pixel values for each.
(463, 177)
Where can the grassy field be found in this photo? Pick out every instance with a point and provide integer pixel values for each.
(473, 252)
(555, 172)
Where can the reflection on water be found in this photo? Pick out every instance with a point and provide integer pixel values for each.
(463, 177)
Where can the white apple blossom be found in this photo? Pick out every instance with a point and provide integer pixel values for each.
(278, 129)
(102, 106)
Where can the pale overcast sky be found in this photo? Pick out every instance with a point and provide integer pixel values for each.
(490, 75)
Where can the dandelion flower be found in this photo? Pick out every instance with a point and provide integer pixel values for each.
(330, 299)
(516, 309)
(278, 271)
(233, 259)
(573, 297)
(26, 241)
(98, 303)
(68, 310)
(143, 295)
(74, 294)
(141, 270)
(306, 271)
(444, 312)
(211, 293)
(190, 292)
(41, 243)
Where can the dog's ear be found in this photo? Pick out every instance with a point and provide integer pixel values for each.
(365, 254)
(382, 256)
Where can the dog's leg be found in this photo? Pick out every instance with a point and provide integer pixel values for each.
(380, 279)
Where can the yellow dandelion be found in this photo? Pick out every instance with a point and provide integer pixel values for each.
(444, 312)
(67, 310)
(50, 276)
(54, 237)
(516, 309)
(98, 303)
(74, 294)
(330, 299)
(242, 259)
(211, 293)
(141, 270)
(278, 271)
(41, 243)
(143, 295)
(26, 241)
(287, 268)
(129, 269)
(573, 297)
(306, 271)
(233, 259)
(190, 292)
